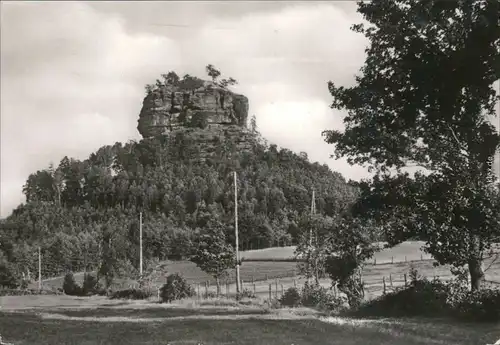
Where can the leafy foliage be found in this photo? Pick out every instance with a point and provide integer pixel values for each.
(418, 103)
(291, 298)
(214, 255)
(316, 296)
(176, 288)
(70, 286)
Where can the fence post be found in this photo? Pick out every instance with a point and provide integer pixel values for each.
(383, 281)
(270, 292)
(374, 261)
(254, 289)
(252, 279)
(227, 289)
(276, 290)
(266, 277)
(406, 281)
(282, 291)
(406, 259)
(206, 289)
(390, 278)
(421, 257)
(392, 260)
(294, 283)
(158, 294)
(198, 289)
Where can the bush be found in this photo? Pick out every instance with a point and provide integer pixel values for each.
(421, 298)
(316, 296)
(91, 285)
(136, 294)
(291, 298)
(483, 305)
(176, 288)
(70, 287)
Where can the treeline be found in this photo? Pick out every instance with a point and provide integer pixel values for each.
(85, 214)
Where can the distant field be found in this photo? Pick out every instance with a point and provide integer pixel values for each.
(262, 273)
(410, 250)
(57, 321)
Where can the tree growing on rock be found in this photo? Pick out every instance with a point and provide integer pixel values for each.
(425, 99)
(214, 255)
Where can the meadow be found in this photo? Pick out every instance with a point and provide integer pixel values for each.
(97, 320)
(275, 267)
(58, 320)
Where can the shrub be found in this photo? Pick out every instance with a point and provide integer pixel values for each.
(70, 287)
(91, 285)
(135, 294)
(176, 288)
(420, 298)
(316, 296)
(291, 298)
(482, 305)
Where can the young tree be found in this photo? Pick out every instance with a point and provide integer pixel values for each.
(212, 72)
(424, 99)
(214, 255)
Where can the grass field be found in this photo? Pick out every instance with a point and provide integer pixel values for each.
(57, 320)
(262, 273)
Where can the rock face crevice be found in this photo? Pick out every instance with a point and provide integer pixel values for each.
(170, 107)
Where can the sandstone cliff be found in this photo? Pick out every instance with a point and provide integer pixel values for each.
(204, 105)
(206, 112)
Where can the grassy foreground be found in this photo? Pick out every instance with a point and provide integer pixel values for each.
(97, 321)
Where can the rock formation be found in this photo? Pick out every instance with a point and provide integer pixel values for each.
(208, 114)
(204, 105)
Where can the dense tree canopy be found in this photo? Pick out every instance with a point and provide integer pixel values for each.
(425, 98)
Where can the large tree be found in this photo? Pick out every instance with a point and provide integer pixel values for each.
(425, 98)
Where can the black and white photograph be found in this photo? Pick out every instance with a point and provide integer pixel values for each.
(250, 172)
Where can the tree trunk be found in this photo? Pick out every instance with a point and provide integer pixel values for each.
(476, 274)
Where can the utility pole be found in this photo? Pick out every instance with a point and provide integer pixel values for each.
(39, 268)
(236, 233)
(140, 244)
(313, 209)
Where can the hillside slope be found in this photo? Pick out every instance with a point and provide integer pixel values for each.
(180, 177)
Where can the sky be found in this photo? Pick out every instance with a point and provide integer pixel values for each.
(73, 73)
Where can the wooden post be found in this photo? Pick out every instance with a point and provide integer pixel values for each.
(266, 277)
(270, 292)
(276, 290)
(198, 289)
(282, 290)
(294, 283)
(406, 259)
(252, 279)
(421, 257)
(383, 281)
(406, 281)
(254, 290)
(227, 289)
(390, 278)
(392, 260)
(375, 262)
(206, 289)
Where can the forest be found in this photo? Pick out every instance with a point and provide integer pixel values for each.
(82, 213)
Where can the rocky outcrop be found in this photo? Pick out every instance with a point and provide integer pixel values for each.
(204, 105)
